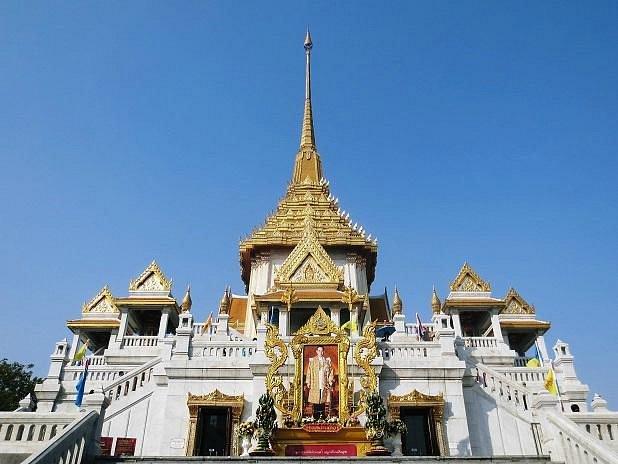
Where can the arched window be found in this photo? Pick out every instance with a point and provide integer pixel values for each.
(30, 433)
(9, 432)
(42, 432)
(52, 434)
(20, 433)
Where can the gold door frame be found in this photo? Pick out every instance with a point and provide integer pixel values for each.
(214, 399)
(417, 399)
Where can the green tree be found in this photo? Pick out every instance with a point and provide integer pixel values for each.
(16, 381)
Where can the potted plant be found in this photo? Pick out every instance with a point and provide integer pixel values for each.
(378, 428)
(265, 424)
(245, 432)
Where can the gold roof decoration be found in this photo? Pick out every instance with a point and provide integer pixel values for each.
(151, 279)
(319, 324)
(436, 305)
(226, 301)
(309, 264)
(187, 302)
(103, 302)
(469, 281)
(515, 304)
(397, 303)
(308, 190)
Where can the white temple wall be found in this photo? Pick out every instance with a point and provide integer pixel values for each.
(494, 430)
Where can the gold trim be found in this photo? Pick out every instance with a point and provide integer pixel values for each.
(365, 352)
(469, 281)
(103, 299)
(217, 399)
(515, 304)
(417, 399)
(153, 268)
(93, 324)
(320, 270)
(277, 352)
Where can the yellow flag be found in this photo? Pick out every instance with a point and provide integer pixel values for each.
(533, 362)
(350, 325)
(550, 382)
(81, 353)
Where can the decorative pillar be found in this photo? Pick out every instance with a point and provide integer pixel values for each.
(122, 330)
(284, 316)
(184, 335)
(222, 327)
(96, 402)
(74, 343)
(334, 315)
(457, 324)
(47, 392)
(540, 343)
(495, 325)
(165, 315)
(444, 334)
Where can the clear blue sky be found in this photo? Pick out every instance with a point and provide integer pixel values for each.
(479, 131)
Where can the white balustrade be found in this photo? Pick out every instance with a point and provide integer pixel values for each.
(480, 342)
(527, 375)
(577, 446)
(502, 389)
(132, 381)
(229, 349)
(401, 351)
(521, 361)
(602, 426)
(140, 340)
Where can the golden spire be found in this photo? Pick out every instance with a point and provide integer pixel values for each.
(186, 301)
(435, 302)
(397, 303)
(308, 167)
(226, 300)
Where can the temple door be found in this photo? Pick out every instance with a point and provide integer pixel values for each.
(214, 431)
(420, 437)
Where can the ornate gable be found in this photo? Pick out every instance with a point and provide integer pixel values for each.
(103, 302)
(309, 264)
(469, 281)
(151, 280)
(319, 324)
(515, 304)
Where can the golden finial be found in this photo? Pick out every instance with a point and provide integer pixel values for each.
(307, 137)
(289, 297)
(435, 302)
(397, 303)
(350, 296)
(224, 304)
(186, 301)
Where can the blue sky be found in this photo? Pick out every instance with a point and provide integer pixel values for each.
(479, 131)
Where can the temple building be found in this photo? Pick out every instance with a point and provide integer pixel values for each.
(308, 344)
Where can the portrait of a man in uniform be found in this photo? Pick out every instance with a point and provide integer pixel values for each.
(320, 380)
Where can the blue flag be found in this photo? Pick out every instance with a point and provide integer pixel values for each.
(81, 385)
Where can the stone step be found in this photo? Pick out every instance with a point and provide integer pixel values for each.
(299, 460)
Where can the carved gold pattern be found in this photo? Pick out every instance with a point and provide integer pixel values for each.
(350, 297)
(364, 353)
(469, 281)
(214, 399)
(309, 263)
(515, 304)
(103, 302)
(416, 399)
(289, 297)
(151, 279)
(277, 352)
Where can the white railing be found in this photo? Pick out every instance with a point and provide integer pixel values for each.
(131, 381)
(527, 375)
(480, 342)
(98, 371)
(224, 349)
(521, 361)
(401, 351)
(24, 431)
(577, 446)
(502, 389)
(140, 340)
(73, 445)
(602, 426)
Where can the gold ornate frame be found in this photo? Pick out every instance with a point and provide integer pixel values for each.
(319, 330)
(216, 399)
(417, 399)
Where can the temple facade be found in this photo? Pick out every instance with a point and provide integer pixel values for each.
(474, 377)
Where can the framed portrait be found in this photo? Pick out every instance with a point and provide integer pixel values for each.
(321, 381)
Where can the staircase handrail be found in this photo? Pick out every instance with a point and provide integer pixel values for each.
(601, 452)
(73, 444)
(138, 370)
